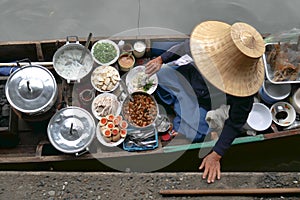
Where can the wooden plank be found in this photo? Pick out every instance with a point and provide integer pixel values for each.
(281, 134)
(82, 39)
(19, 158)
(39, 51)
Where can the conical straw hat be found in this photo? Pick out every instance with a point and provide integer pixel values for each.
(229, 57)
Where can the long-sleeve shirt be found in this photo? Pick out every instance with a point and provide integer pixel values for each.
(210, 97)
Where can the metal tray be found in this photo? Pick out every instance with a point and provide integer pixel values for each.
(136, 147)
(270, 71)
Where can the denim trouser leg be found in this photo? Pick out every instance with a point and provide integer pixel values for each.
(175, 89)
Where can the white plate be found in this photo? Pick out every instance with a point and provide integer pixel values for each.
(102, 141)
(109, 42)
(102, 95)
(133, 77)
(100, 70)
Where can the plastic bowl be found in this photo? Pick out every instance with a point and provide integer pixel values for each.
(260, 117)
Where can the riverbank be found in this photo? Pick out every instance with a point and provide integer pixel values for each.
(107, 185)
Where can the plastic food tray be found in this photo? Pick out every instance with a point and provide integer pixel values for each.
(270, 72)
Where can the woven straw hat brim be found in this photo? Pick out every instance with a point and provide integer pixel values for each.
(229, 57)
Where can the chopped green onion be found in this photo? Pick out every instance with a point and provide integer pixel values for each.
(104, 52)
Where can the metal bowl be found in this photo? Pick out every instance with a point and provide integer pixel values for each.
(283, 107)
(143, 105)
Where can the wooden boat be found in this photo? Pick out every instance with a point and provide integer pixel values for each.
(24, 143)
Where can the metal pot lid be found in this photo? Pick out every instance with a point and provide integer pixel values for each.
(31, 88)
(66, 62)
(71, 129)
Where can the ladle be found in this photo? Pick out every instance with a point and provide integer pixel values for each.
(85, 48)
(126, 90)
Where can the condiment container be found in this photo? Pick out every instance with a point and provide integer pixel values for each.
(126, 61)
(139, 49)
(127, 48)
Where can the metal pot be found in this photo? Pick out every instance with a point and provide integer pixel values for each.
(71, 130)
(129, 115)
(31, 89)
(66, 61)
(271, 93)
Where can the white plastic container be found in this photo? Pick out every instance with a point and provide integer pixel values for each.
(139, 49)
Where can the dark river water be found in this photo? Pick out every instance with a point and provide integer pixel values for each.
(41, 19)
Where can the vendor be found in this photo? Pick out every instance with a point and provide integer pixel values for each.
(227, 68)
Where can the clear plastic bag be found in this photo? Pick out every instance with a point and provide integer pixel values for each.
(284, 36)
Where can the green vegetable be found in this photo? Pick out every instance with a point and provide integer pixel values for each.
(104, 52)
(148, 86)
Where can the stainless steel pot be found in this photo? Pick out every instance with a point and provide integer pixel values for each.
(66, 61)
(71, 130)
(131, 115)
(31, 89)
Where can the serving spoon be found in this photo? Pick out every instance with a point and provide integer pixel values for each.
(85, 48)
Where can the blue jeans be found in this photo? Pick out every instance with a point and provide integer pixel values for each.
(175, 90)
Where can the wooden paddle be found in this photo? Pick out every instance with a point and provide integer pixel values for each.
(233, 192)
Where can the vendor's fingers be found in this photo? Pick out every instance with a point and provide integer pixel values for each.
(211, 176)
(219, 174)
(151, 70)
(204, 175)
(151, 63)
(201, 166)
(150, 67)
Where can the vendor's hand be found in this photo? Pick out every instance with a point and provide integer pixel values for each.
(154, 66)
(212, 167)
